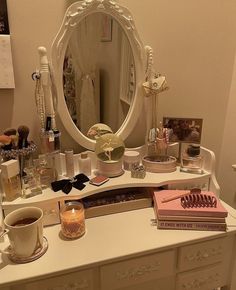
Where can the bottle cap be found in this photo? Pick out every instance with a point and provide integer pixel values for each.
(131, 156)
(193, 150)
(84, 155)
(10, 168)
(69, 151)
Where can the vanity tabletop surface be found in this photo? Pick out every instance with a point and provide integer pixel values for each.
(123, 181)
(107, 239)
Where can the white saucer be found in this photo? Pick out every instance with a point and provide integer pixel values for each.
(35, 256)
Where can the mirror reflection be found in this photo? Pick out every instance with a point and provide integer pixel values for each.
(98, 73)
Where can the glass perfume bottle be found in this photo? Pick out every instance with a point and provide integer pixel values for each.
(69, 159)
(191, 160)
(11, 179)
(46, 171)
(31, 184)
(85, 164)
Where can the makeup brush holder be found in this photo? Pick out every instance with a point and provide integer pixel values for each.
(24, 155)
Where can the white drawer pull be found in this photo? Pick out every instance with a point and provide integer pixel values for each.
(205, 255)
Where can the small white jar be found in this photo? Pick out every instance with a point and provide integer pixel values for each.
(131, 158)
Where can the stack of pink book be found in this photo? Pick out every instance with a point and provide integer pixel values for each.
(172, 214)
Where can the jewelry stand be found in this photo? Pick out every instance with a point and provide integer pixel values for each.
(157, 138)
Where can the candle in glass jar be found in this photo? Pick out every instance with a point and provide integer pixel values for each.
(72, 220)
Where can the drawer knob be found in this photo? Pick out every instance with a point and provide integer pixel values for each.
(205, 255)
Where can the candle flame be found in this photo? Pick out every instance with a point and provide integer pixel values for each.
(73, 210)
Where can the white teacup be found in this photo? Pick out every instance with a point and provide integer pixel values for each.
(24, 227)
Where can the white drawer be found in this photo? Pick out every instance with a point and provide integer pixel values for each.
(138, 270)
(167, 283)
(201, 254)
(204, 279)
(82, 280)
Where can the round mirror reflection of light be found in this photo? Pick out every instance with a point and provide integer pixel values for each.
(98, 73)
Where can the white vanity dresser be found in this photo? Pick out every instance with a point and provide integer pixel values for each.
(121, 250)
(125, 250)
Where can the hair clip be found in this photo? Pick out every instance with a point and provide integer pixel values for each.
(198, 200)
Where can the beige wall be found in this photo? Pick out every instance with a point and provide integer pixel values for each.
(226, 175)
(32, 23)
(194, 43)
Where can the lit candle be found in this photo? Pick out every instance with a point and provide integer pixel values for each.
(72, 220)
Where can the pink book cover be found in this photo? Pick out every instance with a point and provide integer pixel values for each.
(174, 207)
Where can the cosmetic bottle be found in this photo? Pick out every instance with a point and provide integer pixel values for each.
(130, 159)
(85, 164)
(69, 158)
(191, 160)
(45, 170)
(31, 184)
(11, 179)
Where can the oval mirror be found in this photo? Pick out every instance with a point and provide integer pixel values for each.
(97, 60)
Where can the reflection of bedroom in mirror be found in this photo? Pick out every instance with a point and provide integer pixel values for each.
(98, 75)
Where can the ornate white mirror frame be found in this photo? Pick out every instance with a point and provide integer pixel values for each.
(73, 16)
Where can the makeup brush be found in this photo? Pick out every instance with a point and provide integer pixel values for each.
(11, 132)
(23, 132)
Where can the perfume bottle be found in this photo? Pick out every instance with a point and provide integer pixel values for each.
(84, 164)
(69, 158)
(11, 179)
(31, 184)
(191, 160)
(130, 159)
(46, 171)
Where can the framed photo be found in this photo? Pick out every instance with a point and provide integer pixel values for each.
(4, 26)
(106, 28)
(186, 130)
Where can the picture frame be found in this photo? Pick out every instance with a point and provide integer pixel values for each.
(4, 25)
(106, 28)
(186, 130)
